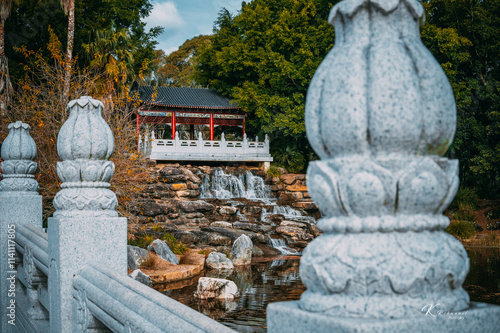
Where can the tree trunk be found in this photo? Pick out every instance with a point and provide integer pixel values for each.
(5, 85)
(69, 50)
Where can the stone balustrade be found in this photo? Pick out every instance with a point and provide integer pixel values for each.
(205, 150)
(52, 277)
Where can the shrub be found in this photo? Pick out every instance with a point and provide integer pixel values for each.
(176, 246)
(149, 263)
(465, 196)
(464, 213)
(142, 241)
(461, 229)
(273, 171)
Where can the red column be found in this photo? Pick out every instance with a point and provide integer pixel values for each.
(137, 126)
(244, 130)
(211, 127)
(174, 123)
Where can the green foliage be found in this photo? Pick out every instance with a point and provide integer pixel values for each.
(273, 171)
(265, 57)
(461, 229)
(142, 241)
(177, 68)
(176, 246)
(290, 157)
(466, 196)
(29, 22)
(463, 35)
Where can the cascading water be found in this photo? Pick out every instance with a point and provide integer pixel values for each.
(227, 186)
(280, 245)
(288, 212)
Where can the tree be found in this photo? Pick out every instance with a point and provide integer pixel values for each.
(476, 82)
(264, 59)
(69, 9)
(177, 69)
(5, 85)
(28, 26)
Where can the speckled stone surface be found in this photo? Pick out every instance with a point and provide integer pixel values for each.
(288, 317)
(20, 203)
(380, 114)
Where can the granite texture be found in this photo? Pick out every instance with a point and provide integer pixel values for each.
(135, 256)
(380, 114)
(216, 288)
(216, 260)
(163, 251)
(141, 277)
(241, 253)
(20, 204)
(289, 317)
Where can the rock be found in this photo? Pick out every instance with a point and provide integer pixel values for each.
(136, 256)
(241, 253)
(252, 227)
(291, 196)
(222, 231)
(288, 179)
(163, 251)
(170, 171)
(313, 229)
(178, 187)
(173, 179)
(293, 224)
(252, 209)
(191, 176)
(146, 208)
(276, 218)
(193, 215)
(221, 224)
(192, 186)
(216, 288)
(228, 210)
(216, 260)
(188, 194)
(276, 188)
(196, 206)
(138, 275)
(211, 238)
(295, 234)
(298, 186)
(257, 252)
(307, 205)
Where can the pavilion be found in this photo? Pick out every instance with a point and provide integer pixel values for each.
(194, 107)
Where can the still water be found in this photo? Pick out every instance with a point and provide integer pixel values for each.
(277, 279)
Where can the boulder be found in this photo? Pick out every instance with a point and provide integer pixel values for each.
(288, 179)
(251, 209)
(138, 275)
(136, 256)
(163, 251)
(241, 253)
(216, 260)
(191, 176)
(291, 196)
(307, 205)
(216, 288)
(170, 171)
(286, 223)
(196, 206)
(252, 227)
(221, 224)
(228, 210)
(146, 208)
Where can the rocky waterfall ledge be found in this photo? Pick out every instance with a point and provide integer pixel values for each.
(204, 206)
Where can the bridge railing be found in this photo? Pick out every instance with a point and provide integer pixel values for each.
(73, 277)
(177, 149)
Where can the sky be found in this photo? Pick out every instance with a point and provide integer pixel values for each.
(185, 19)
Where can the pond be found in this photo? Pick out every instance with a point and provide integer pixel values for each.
(276, 279)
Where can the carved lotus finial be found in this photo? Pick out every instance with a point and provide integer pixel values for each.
(18, 154)
(379, 90)
(85, 134)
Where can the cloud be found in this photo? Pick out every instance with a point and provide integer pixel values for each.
(165, 15)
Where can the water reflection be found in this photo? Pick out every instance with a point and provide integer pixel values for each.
(277, 279)
(259, 284)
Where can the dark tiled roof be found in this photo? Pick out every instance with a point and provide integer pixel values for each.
(183, 97)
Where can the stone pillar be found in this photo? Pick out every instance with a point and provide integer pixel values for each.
(380, 114)
(85, 229)
(20, 203)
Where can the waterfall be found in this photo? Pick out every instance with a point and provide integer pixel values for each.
(288, 212)
(280, 245)
(227, 186)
